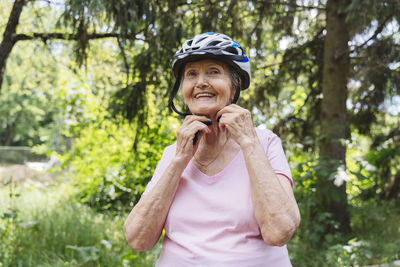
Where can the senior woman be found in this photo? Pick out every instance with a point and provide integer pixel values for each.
(223, 191)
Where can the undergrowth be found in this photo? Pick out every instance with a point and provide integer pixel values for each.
(45, 226)
(374, 241)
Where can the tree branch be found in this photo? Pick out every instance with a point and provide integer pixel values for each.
(375, 34)
(51, 2)
(8, 43)
(125, 59)
(292, 5)
(67, 36)
(300, 49)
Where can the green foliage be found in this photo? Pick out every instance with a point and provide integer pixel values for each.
(375, 232)
(28, 109)
(8, 223)
(48, 227)
(29, 100)
(315, 220)
(111, 161)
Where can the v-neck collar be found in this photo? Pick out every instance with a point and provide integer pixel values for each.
(212, 178)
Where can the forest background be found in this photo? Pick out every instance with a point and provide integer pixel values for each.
(88, 81)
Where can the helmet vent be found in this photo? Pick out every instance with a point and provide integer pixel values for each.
(214, 43)
(232, 50)
(189, 42)
(201, 39)
(225, 44)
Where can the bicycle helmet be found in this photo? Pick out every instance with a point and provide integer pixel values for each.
(215, 46)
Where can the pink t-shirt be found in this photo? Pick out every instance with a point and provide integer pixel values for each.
(211, 219)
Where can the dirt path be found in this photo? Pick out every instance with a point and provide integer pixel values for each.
(21, 173)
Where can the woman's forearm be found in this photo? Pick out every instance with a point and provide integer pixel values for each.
(275, 207)
(144, 224)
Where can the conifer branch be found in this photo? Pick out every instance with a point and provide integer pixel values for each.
(68, 36)
(378, 30)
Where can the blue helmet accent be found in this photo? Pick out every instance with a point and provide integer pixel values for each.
(246, 59)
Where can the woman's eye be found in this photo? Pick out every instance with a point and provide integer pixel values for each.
(191, 73)
(214, 71)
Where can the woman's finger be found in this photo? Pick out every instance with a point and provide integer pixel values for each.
(191, 118)
(187, 134)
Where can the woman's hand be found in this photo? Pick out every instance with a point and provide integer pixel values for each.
(192, 124)
(239, 123)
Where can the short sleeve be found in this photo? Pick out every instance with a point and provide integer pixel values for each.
(273, 148)
(165, 160)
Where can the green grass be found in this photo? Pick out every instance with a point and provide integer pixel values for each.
(48, 227)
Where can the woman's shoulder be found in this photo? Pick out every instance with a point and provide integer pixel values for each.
(265, 134)
(171, 147)
(169, 151)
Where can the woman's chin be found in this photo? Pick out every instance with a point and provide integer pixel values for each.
(209, 113)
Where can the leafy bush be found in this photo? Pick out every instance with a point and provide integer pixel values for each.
(112, 162)
(375, 230)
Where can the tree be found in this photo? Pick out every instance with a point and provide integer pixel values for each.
(335, 75)
(11, 37)
(317, 68)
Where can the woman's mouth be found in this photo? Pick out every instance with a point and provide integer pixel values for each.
(204, 95)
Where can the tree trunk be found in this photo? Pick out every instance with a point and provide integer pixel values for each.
(8, 36)
(8, 135)
(333, 116)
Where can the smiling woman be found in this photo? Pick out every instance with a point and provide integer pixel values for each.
(207, 87)
(222, 191)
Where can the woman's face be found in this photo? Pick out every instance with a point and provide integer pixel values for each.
(207, 87)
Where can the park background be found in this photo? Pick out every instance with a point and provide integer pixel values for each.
(84, 88)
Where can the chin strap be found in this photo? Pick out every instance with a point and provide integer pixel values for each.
(172, 96)
(236, 97)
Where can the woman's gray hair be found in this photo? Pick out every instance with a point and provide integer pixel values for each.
(235, 79)
(236, 84)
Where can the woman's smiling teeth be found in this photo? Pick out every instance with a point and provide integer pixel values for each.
(204, 95)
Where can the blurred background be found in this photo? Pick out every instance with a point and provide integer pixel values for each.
(84, 89)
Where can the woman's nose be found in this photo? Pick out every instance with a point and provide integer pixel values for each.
(202, 81)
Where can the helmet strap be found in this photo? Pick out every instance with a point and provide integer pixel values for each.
(175, 90)
(236, 97)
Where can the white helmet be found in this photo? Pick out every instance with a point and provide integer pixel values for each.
(217, 46)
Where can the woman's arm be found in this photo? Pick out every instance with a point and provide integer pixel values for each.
(144, 224)
(275, 207)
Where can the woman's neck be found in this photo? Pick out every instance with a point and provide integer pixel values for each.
(212, 143)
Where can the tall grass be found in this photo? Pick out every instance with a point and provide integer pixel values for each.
(46, 226)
